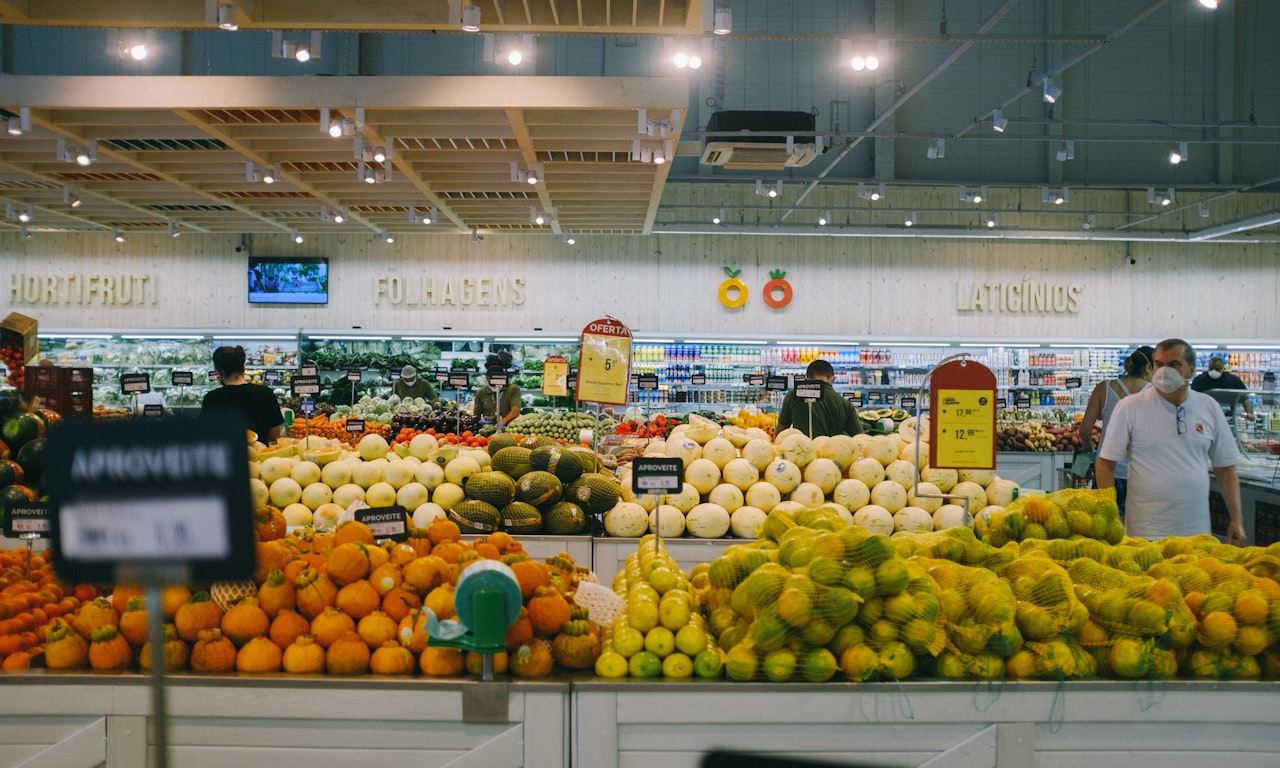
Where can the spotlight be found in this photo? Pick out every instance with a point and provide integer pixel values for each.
(269, 175)
(910, 221)
(1090, 221)
(659, 156)
(536, 216)
(387, 237)
(1210, 4)
(71, 197)
(335, 215)
(471, 18)
(824, 217)
(24, 233)
(292, 49)
(370, 176)
(873, 194)
(295, 236)
(339, 215)
(1056, 198)
(26, 215)
(1179, 154)
(380, 155)
(175, 228)
(770, 190)
(1163, 198)
(858, 63)
(83, 158)
(1051, 91)
(1067, 151)
(973, 197)
(998, 121)
(335, 127)
(569, 238)
(227, 17)
(427, 216)
(1204, 210)
(15, 128)
(718, 217)
(135, 51)
(117, 235)
(992, 220)
(937, 150)
(723, 22)
(872, 63)
(21, 122)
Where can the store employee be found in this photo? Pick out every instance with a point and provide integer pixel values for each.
(410, 385)
(832, 414)
(501, 408)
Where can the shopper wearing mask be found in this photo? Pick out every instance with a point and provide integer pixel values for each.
(498, 407)
(1102, 403)
(410, 385)
(1172, 436)
(1216, 377)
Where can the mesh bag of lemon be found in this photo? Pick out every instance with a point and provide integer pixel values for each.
(1062, 514)
(977, 618)
(959, 545)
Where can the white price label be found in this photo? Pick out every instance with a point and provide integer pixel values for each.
(165, 529)
(37, 525)
(656, 484)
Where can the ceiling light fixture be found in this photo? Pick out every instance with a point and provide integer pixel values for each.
(295, 236)
(1090, 221)
(723, 22)
(175, 228)
(859, 58)
(1210, 4)
(529, 176)
(1051, 91)
(685, 55)
(569, 238)
(1067, 151)
(133, 50)
(24, 232)
(227, 17)
(71, 197)
(427, 216)
(21, 122)
(768, 190)
(1204, 210)
(1178, 154)
(1056, 198)
(1163, 198)
(998, 121)
(910, 221)
(718, 217)
(23, 215)
(536, 216)
(513, 50)
(282, 48)
(470, 18)
(387, 237)
(117, 235)
(824, 217)
(871, 193)
(271, 174)
(937, 150)
(973, 197)
(992, 220)
(251, 172)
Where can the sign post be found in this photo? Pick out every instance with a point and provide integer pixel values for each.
(305, 387)
(149, 502)
(657, 475)
(461, 383)
(496, 382)
(809, 390)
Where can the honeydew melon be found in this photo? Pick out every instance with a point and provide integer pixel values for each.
(274, 468)
(735, 435)
(851, 494)
(949, 516)
(372, 446)
(429, 474)
(425, 514)
(336, 473)
(745, 522)
(740, 473)
(912, 519)
(346, 495)
(976, 494)
(982, 477)
(668, 521)
(685, 449)
(685, 500)
(824, 473)
(901, 472)
(889, 495)
(916, 453)
(380, 494)
(1000, 492)
(720, 451)
(447, 495)
(784, 475)
(798, 449)
(882, 448)
(412, 495)
(400, 473)
(762, 495)
(702, 474)
(789, 507)
(325, 518)
(808, 494)
(707, 521)
(366, 473)
(460, 468)
(919, 496)
(839, 448)
(945, 479)
(259, 494)
(756, 433)
(868, 470)
(297, 515)
(760, 453)
(726, 495)
(316, 494)
(874, 518)
(626, 519)
(284, 492)
(784, 434)
(422, 446)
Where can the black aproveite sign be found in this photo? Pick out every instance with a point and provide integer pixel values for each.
(656, 474)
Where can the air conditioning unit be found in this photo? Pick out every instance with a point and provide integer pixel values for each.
(760, 140)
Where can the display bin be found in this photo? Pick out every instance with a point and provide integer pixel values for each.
(998, 725)
(23, 332)
(82, 721)
(67, 390)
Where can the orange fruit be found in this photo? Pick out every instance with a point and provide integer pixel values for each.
(1251, 607)
(1218, 630)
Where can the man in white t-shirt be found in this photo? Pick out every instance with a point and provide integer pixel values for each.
(1172, 437)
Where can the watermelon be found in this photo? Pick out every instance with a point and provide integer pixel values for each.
(31, 458)
(10, 473)
(21, 429)
(4, 450)
(16, 494)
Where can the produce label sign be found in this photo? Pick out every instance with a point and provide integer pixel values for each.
(309, 369)
(353, 374)
(497, 380)
(305, 385)
(907, 403)
(809, 390)
(1074, 382)
(555, 376)
(183, 378)
(698, 379)
(962, 399)
(27, 521)
(355, 425)
(604, 365)
(653, 474)
(151, 492)
(459, 380)
(135, 383)
(776, 384)
(385, 522)
(153, 410)
(755, 379)
(647, 381)
(271, 376)
(854, 397)
(442, 376)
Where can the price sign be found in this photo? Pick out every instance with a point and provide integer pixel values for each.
(853, 397)
(308, 406)
(215, 376)
(555, 376)
(271, 377)
(776, 384)
(962, 431)
(394, 376)
(153, 410)
(653, 474)
(385, 522)
(698, 379)
(1074, 382)
(355, 425)
(635, 380)
(84, 377)
(30, 520)
(183, 378)
(442, 375)
(572, 379)
(305, 385)
(647, 381)
(497, 380)
(604, 369)
(1001, 403)
(809, 390)
(135, 383)
(907, 403)
(353, 374)
(875, 398)
(890, 399)
(150, 492)
(459, 380)
(309, 369)
(755, 379)
(1023, 401)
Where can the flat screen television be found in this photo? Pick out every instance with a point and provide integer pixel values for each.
(288, 280)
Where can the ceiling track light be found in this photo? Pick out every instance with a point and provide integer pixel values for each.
(871, 193)
(23, 215)
(824, 218)
(387, 237)
(271, 174)
(536, 216)
(1090, 221)
(24, 232)
(1067, 151)
(82, 156)
(335, 215)
(227, 17)
(1164, 199)
(425, 216)
(937, 150)
(1179, 154)
(569, 239)
(20, 123)
(973, 197)
(295, 235)
(910, 220)
(685, 54)
(723, 21)
(302, 51)
(768, 190)
(858, 57)
(1050, 91)
(993, 220)
(998, 121)
(1203, 209)
(718, 217)
(470, 18)
(71, 197)
(532, 176)
(1210, 4)
(1056, 198)
(175, 228)
(251, 172)
(133, 47)
(512, 50)
(117, 235)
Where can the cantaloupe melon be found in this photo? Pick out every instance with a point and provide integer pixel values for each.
(366, 473)
(412, 495)
(882, 448)
(950, 516)
(325, 518)
(284, 492)
(798, 449)
(274, 468)
(874, 518)
(686, 449)
(728, 496)
(702, 474)
(336, 473)
(297, 515)
(447, 495)
(461, 468)
(425, 514)
(399, 473)
(982, 477)
(841, 449)
(380, 494)
(422, 445)
(626, 519)
(305, 473)
(824, 473)
(707, 521)
(259, 493)
(868, 470)
(1001, 492)
(763, 496)
(429, 474)
(851, 494)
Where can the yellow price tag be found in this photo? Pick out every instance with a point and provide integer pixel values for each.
(604, 365)
(965, 429)
(555, 376)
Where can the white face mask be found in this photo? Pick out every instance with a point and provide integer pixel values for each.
(1215, 374)
(1167, 380)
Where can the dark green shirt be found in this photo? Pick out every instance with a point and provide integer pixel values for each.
(419, 388)
(832, 414)
(483, 406)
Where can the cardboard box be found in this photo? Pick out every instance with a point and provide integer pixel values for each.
(22, 331)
